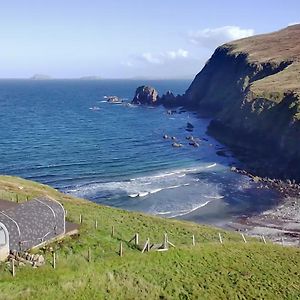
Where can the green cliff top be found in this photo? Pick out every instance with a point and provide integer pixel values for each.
(273, 48)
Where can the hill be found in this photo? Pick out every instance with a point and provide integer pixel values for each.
(251, 87)
(209, 270)
(40, 77)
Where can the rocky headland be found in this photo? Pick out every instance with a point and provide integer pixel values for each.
(251, 90)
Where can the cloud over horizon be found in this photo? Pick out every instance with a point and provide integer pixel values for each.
(162, 57)
(214, 37)
(186, 59)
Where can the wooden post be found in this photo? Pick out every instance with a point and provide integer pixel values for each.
(148, 245)
(245, 241)
(112, 231)
(264, 240)
(136, 239)
(220, 238)
(171, 244)
(54, 260)
(89, 255)
(165, 241)
(121, 249)
(80, 219)
(193, 240)
(13, 271)
(17, 198)
(96, 224)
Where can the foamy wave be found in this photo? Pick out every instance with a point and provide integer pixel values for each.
(185, 212)
(214, 197)
(211, 166)
(174, 214)
(142, 186)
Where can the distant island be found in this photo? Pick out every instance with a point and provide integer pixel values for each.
(90, 77)
(40, 77)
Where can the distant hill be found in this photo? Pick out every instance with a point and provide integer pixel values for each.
(90, 77)
(40, 77)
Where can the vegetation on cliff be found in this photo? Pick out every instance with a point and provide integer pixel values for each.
(210, 270)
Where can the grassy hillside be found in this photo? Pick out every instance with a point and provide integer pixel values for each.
(274, 49)
(209, 270)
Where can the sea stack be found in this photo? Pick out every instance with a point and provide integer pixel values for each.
(145, 95)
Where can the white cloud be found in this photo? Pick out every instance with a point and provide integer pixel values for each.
(177, 54)
(163, 57)
(160, 58)
(213, 37)
(152, 58)
(293, 23)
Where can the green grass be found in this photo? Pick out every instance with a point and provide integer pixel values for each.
(209, 270)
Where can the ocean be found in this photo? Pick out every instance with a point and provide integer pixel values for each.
(65, 134)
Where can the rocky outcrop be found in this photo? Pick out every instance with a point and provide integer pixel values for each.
(145, 95)
(251, 90)
(252, 93)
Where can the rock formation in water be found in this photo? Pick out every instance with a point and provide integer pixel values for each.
(145, 95)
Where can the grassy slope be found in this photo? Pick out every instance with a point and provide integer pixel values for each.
(274, 48)
(209, 270)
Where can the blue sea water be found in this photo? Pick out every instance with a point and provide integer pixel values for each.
(64, 133)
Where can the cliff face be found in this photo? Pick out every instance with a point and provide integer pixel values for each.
(251, 87)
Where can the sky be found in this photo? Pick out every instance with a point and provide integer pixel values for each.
(127, 38)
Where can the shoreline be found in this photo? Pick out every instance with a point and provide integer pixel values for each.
(280, 224)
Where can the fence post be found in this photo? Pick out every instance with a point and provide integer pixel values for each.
(96, 224)
(165, 241)
(121, 249)
(89, 254)
(13, 271)
(244, 238)
(80, 219)
(220, 238)
(263, 238)
(54, 260)
(282, 241)
(112, 231)
(193, 240)
(136, 239)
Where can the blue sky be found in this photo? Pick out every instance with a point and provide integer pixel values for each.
(127, 38)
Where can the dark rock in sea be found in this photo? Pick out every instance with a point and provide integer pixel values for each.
(171, 112)
(189, 125)
(194, 144)
(189, 129)
(177, 145)
(145, 95)
(114, 99)
(168, 98)
(190, 138)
